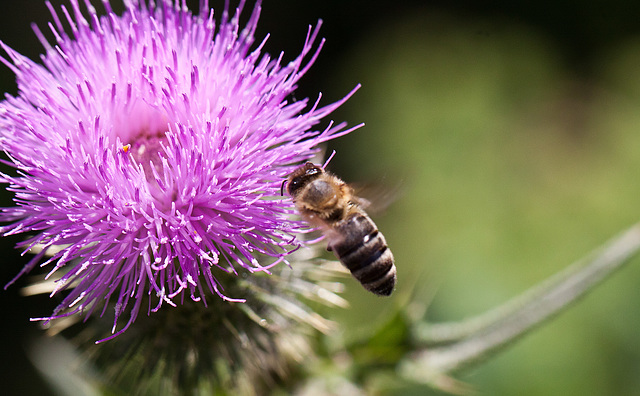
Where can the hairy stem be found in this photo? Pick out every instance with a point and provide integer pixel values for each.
(475, 339)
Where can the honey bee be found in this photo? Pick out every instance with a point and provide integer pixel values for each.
(327, 202)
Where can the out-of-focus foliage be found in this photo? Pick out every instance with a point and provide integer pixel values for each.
(513, 167)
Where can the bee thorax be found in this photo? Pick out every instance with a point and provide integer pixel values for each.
(319, 194)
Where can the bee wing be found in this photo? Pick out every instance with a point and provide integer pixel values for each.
(376, 197)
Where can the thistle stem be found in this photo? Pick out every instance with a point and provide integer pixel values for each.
(477, 338)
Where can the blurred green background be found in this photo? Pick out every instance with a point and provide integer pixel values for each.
(514, 131)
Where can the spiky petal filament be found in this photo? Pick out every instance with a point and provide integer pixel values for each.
(151, 146)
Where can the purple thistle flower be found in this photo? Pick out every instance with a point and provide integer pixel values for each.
(150, 149)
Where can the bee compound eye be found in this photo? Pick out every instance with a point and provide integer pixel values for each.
(293, 185)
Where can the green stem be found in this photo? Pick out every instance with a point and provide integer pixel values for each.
(475, 339)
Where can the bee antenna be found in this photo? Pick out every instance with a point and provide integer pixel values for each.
(328, 159)
(282, 188)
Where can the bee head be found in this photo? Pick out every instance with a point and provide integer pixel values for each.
(300, 177)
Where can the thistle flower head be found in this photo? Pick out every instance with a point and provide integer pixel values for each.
(150, 148)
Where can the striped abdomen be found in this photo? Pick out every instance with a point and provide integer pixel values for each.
(363, 250)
